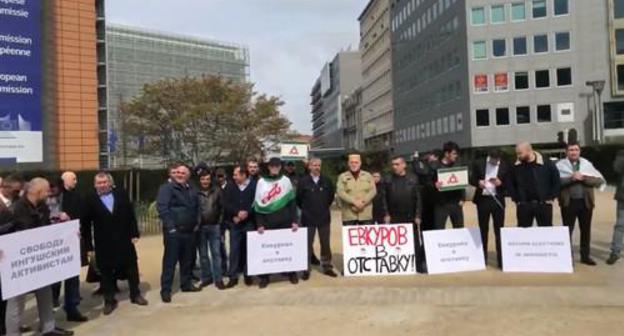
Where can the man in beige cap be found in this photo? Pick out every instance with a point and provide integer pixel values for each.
(356, 190)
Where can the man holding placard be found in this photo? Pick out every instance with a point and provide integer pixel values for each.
(356, 190)
(451, 181)
(579, 177)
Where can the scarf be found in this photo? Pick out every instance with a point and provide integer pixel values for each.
(566, 169)
(272, 194)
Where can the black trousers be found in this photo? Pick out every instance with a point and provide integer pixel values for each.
(224, 255)
(109, 280)
(358, 222)
(326, 254)
(179, 249)
(2, 314)
(578, 210)
(527, 212)
(454, 211)
(488, 207)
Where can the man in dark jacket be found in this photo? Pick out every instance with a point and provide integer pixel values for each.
(222, 182)
(275, 207)
(618, 230)
(489, 176)
(533, 186)
(31, 212)
(211, 212)
(315, 195)
(426, 179)
(178, 208)
(378, 201)
(448, 204)
(109, 214)
(238, 215)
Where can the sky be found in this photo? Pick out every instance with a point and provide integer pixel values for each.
(289, 40)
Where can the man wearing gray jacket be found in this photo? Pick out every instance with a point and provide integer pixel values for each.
(618, 229)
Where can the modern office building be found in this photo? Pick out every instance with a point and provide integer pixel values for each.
(338, 78)
(352, 124)
(49, 102)
(492, 73)
(136, 57)
(376, 49)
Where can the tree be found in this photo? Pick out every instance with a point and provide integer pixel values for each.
(208, 118)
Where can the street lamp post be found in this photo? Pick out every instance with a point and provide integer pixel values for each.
(598, 116)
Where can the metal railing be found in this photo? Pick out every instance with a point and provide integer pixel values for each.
(148, 220)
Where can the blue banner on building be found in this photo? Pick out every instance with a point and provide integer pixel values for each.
(20, 80)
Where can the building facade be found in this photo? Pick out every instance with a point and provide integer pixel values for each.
(491, 73)
(338, 78)
(136, 57)
(352, 124)
(376, 49)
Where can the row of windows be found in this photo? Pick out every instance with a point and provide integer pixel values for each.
(428, 16)
(428, 100)
(543, 114)
(517, 11)
(522, 80)
(518, 46)
(427, 71)
(440, 126)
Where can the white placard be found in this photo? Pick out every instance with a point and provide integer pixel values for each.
(537, 250)
(456, 250)
(293, 151)
(35, 258)
(370, 250)
(277, 251)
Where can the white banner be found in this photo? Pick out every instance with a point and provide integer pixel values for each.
(456, 250)
(35, 258)
(277, 251)
(370, 250)
(537, 250)
(293, 151)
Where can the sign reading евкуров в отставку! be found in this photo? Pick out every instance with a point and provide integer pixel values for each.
(36, 258)
(20, 81)
(455, 178)
(537, 250)
(277, 251)
(370, 250)
(456, 250)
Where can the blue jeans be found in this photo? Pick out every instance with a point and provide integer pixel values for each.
(618, 230)
(179, 249)
(210, 241)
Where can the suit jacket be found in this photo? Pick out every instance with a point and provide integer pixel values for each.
(618, 167)
(477, 173)
(315, 200)
(113, 232)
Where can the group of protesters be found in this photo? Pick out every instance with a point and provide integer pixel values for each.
(200, 207)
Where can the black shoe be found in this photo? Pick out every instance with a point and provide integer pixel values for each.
(305, 276)
(139, 300)
(220, 285)
(205, 283)
(264, 282)
(314, 260)
(330, 273)
(293, 278)
(613, 258)
(248, 280)
(232, 283)
(588, 261)
(59, 332)
(165, 297)
(191, 289)
(76, 316)
(109, 307)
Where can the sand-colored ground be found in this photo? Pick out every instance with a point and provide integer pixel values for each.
(588, 302)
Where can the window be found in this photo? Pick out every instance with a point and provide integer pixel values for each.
(497, 14)
(539, 9)
(519, 46)
(501, 82)
(478, 16)
(619, 41)
(499, 48)
(618, 9)
(540, 44)
(620, 77)
(564, 76)
(481, 83)
(479, 50)
(562, 7)
(518, 11)
(483, 118)
(542, 79)
(562, 41)
(502, 116)
(544, 114)
(523, 115)
(521, 80)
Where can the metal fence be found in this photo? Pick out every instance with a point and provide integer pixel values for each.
(148, 220)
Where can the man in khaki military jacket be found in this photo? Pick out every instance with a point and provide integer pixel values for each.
(356, 190)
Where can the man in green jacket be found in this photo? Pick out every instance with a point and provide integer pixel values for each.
(356, 190)
(618, 230)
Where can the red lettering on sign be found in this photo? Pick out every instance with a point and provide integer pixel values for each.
(377, 235)
(274, 191)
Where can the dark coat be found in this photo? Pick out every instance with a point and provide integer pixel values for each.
(540, 174)
(112, 232)
(379, 210)
(178, 207)
(618, 167)
(27, 216)
(211, 206)
(477, 173)
(6, 219)
(402, 201)
(71, 204)
(315, 200)
(235, 200)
